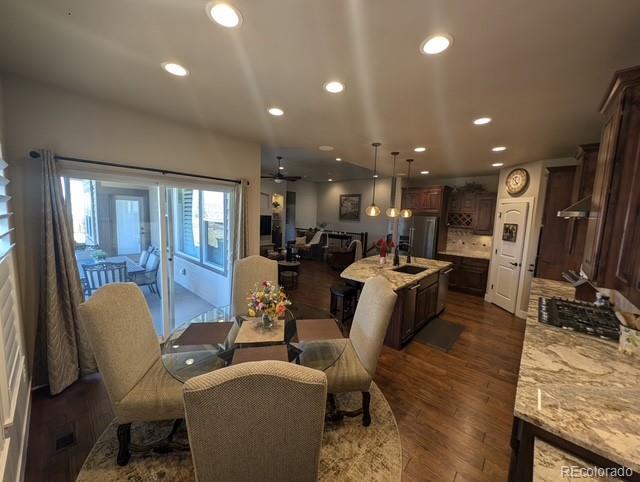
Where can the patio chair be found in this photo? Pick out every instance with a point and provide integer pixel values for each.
(144, 256)
(99, 274)
(150, 276)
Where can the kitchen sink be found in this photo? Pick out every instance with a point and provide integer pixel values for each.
(409, 269)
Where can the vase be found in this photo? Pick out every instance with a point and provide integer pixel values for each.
(267, 321)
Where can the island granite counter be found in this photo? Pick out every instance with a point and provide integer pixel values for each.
(366, 268)
(576, 392)
(421, 296)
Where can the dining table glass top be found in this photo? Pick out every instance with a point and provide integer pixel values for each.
(215, 339)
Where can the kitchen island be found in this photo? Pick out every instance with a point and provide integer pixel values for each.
(575, 392)
(421, 291)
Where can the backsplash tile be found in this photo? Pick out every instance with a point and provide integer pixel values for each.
(465, 240)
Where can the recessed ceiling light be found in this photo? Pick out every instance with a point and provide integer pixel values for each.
(480, 121)
(326, 148)
(436, 44)
(497, 164)
(424, 172)
(175, 69)
(224, 14)
(330, 180)
(498, 148)
(338, 159)
(334, 87)
(276, 111)
(420, 149)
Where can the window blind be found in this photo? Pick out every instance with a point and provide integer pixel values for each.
(10, 346)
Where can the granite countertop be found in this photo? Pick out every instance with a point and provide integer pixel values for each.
(579, 387)
(550, 461)
(467, 253)
(369, 267)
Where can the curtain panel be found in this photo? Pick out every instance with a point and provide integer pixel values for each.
(66, 346)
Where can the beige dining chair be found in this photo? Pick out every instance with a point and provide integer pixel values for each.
(127, 351)
(246, 273)
(256, 421)
(354, 370)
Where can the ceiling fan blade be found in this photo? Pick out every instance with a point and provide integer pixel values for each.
(267, 177)
(292, 178)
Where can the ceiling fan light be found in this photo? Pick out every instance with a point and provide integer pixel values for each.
(372, 210)
(406, 213)
(392, 212)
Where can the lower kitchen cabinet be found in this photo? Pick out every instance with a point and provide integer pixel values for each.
(415, 306)
(468, 275)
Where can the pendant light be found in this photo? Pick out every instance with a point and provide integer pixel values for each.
(393, 212)
(406, 212)
(372, 209)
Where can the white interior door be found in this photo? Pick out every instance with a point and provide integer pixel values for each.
(129, 224)
(511, 234)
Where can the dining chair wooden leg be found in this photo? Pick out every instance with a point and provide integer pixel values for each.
(124, 439)
(366, 414)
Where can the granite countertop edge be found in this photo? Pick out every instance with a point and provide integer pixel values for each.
(367, 268)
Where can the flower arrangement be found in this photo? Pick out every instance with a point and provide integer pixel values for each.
(269, 300)
(384, 246)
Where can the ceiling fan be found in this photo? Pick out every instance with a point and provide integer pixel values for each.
(278, 177)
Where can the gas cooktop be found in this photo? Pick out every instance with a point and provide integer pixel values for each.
(579, 316)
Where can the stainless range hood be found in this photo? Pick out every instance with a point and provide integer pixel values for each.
(577, 210)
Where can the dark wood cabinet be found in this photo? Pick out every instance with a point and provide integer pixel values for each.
(485, 210)
(474, 275)
(552, 258)
(468, 275)
(612, 256)
(587, 157)
(431, 301)
(424, 200)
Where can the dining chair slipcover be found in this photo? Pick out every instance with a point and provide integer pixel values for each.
(246, 273)
(127, 351)
(354, 370)
(256, 421)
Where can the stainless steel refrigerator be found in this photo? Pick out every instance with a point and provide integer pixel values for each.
(425, 236)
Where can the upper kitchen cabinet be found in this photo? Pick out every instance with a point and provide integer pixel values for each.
(485, 210)
(612, 257)
(428, 201)
(474, 211)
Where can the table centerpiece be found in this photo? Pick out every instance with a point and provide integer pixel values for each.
(269, 300)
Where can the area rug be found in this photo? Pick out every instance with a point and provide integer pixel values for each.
(350, 452)
(440, 334)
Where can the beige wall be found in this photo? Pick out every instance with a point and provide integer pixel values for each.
(306, 203)
(328, 206)
(74, 125)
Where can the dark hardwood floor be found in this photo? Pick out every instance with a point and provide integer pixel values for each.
(454, 410)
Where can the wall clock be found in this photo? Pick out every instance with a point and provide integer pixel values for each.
(517, 181)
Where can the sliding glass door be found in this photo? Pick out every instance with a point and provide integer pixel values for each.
(200, 221)
(172, 239)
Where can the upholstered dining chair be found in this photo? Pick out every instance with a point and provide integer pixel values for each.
(125, 344)
(246, 273)
(256, 421)
(354, 370)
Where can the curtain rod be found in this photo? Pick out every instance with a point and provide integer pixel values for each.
(36, 155)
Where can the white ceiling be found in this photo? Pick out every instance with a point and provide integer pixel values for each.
(312, 165)
(538, 68)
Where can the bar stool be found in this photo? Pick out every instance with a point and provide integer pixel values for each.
(343, 304)
(289, 279)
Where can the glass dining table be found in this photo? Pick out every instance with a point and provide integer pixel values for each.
(215, 339)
